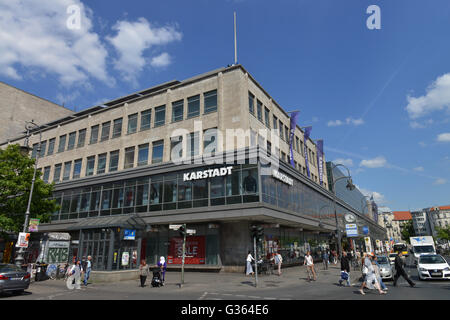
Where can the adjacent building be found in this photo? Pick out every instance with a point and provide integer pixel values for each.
(18, 106)
(212, 151)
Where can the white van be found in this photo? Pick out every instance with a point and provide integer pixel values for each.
(422, 245)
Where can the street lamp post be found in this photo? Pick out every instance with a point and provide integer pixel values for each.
(28, 126)
(350, 186)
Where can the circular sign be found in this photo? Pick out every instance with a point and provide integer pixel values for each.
(349, 217)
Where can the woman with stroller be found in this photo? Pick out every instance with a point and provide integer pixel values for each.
(162, 266)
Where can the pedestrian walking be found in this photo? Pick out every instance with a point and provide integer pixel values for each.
(87, 270)
(325, 258)
(144, 271)
(365, 270)
(278, 262)
(378, 274)
(249, 269)
(163, 266)
(74, 280)
(310, 266)
(370, 279)
(345, 269)
(400, 271)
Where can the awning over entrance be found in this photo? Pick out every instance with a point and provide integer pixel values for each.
(123, 221)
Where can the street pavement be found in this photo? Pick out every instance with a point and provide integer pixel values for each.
(291, 285)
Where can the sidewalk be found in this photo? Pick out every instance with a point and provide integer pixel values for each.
(219, 282)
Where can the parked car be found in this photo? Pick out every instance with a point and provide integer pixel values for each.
(13, 278)
(385, 267)
(392, 257)
(433, 267)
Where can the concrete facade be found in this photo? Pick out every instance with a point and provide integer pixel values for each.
(233, 86)
(18, 106)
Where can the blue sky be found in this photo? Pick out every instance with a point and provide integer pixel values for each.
(380, 99)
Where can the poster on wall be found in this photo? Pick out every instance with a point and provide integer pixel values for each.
(33, 226)
(194, 254)
(125, 258)
(22, 241)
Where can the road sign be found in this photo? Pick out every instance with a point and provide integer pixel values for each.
(351, 230)
(191, 231)
(174, 226)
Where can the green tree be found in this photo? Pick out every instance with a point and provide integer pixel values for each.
(407, 231)
(16, 174)
(443, 233)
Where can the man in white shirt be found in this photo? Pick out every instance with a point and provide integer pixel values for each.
(310, 266)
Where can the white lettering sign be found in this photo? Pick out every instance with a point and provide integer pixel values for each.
(204, 174)
(282, 177)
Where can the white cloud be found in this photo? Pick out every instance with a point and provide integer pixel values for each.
(437, 98)
(377, 197)
(377, 162)
(345, 162)
(443, 137)
(440, 181)
(131, 42)
(421, 124)
(163, 60)
(34, 35)
(348, 121)
(419, 169)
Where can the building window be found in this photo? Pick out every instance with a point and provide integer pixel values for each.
(114, 161)
(101, 166)
(81, 138)
(177, 110)
(146, 119)
(281, 130)
(34, 151)
(67, 169)
(193, 145)
(117, 128)
(143, 155)
(132, 123)
(283, 156)
(210, 142)
(268, 148)
(297, 145)
(57, 173)
(160, 116)
(193, 106)
(210, 101)
(46, 174)
(286, 134)
(259, 110)
(94, 134)
(62, 143)
(77, 168)
(267, 117)
(176, 148)
(90, 166)
(129, 158)
(251, 103)
(51, 146)
(106, 129)
(43, 147)
(71, 143)
(158, 151)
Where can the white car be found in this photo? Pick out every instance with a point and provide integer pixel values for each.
(433, 266)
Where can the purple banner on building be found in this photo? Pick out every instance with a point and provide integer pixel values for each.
(374, 210)
(305, 138)
(320, 159)
(292, 134)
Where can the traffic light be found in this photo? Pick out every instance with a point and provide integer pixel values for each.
(259, 233)
(182, 230)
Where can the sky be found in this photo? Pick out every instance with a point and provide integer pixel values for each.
(374, 82)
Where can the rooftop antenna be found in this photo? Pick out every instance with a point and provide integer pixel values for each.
(235, 40)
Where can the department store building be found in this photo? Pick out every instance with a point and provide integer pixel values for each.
(211, 151)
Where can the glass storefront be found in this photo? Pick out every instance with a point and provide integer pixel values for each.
(159, 193)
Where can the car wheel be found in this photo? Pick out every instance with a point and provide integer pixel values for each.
(18, 292)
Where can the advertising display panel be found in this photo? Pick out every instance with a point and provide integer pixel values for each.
(195, 250)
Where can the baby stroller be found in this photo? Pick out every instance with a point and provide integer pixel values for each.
(156, 280)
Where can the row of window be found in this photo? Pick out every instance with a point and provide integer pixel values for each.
(102, 132)
(283, 130)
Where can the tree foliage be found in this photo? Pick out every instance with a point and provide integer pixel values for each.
(407, 231)
(16, 174)
(443, 233)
